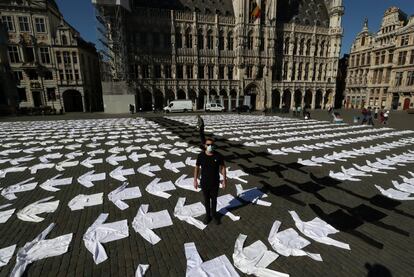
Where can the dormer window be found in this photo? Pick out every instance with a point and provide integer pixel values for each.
(64, 40)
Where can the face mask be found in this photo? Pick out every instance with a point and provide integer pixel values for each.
(210, 148)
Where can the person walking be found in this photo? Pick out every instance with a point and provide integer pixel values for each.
(386, 117)
(200, 127)
(211, 164)
(376, 113)
(369, 117)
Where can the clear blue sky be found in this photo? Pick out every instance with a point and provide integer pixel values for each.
(80, 14)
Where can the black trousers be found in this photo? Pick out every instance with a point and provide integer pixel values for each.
(210, 199)
(202, 135)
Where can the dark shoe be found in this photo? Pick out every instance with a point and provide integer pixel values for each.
(217, 220)
(207, 220)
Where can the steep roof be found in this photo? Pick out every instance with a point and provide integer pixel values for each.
(304, 12)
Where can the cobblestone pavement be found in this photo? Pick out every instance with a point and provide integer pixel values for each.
(378, 229)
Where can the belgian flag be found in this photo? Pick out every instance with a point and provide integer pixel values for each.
(256, 11)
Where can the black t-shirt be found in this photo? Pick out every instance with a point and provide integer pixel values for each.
(210, 168)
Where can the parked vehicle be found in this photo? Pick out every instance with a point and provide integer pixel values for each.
(214, 107)
(179, 106)
(242, 109)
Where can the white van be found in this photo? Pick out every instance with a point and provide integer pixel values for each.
(179, 106)
(214, 107)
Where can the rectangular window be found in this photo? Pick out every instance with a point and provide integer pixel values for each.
(77, 76)
(398, 79)
(230, 73)
(24, 24)
(211, 71)
(402, 57)
(167, 71)
(410, 78)
(14, 54)
(30, 57)
(18, 75)
(74, 57)
(32, 74)
(58, 57)
(412, 57)
(179, 71)
(390, 56)
(262, 44)
(157, 71)
(201, 72)
(405, 40)
(44, 55)
(249, 71)
(69, 75)
(377, 58)
(48, 75)
(51, 94)
(230, 43)
(61, 75)
(200, 41)
(221, 72)
(383, 57)
(210, 41)
(66, 57)
(40, 25)
(189, 40)
(189, 72)
(8, 23)
(145, 71)
(22, 94)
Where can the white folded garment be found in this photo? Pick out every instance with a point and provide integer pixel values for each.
(144, 222)
(395, 194)
(237, 174)
(89, 177)
(6, 254)
(188, 213)
(119, 173)
(159, 189)
(186, 183)
(289, 243)
(33, 169)
(81, 201)
(9, 192)
(100, 232)
(252, 195)
(174, 167)
(403, 187)
(318, 230)
(123, 193)
(226, 202)
(40, 248)
(141, 270)
(30, 212)
(342, 176)
(3, 172)
(219, 266)
(52, 183)
(308, 162)
(254, 259)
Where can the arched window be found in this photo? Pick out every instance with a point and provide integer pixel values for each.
(221, 40)
(295, 47)
(64, 40)
(178, 39)
(210, 40)
(306, 78)
(286, 46)
(316, 48)
(308, 47)
(188, 38)
(230, 41)
(300, 71)
(250, 41)
(322, 49)
(302, 47)
(200, 39)
(285, 70)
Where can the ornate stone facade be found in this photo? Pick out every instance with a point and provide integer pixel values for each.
(52, 65)
(222, 50)
(381, 67)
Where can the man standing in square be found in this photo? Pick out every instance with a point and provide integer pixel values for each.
(211, 164)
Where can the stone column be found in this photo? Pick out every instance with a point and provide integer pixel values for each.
(281, 100)
(313, 100)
